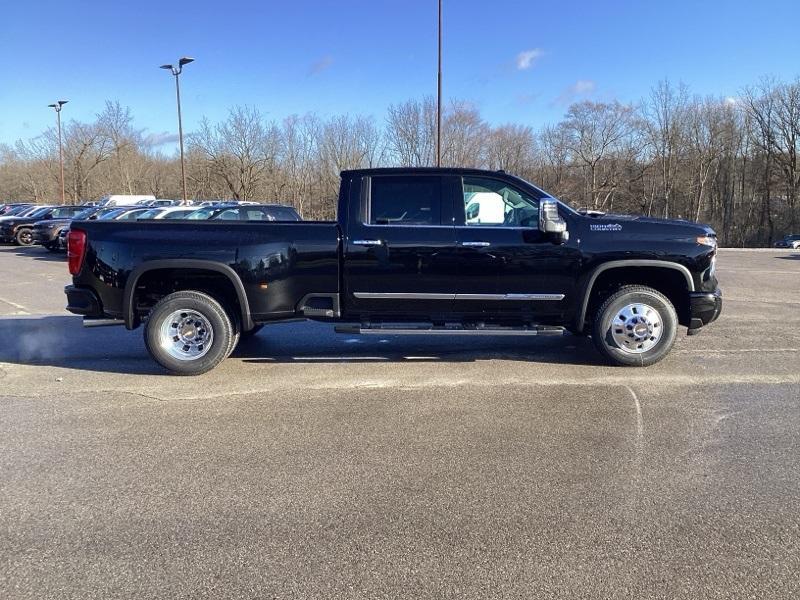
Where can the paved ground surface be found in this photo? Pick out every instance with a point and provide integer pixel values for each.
(316, 465)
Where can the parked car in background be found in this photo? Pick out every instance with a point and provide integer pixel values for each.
(250, 212)
(23, 211)
(46, 232)
(19, 228)
(101, 213)
(158, 202)
(124, 200)
(167, 212)
(7, 208)
(789, 241)
(125, 214)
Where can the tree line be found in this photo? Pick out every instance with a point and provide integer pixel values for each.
(731, 162)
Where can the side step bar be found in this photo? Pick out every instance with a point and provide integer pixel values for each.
(447, 330)
(87, 322)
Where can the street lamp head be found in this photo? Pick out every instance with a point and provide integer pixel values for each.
(185, 61)
(52, 106)
(62, 102)
(166, 67)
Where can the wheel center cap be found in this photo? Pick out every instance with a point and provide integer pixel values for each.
(188, 332)
(640, 330)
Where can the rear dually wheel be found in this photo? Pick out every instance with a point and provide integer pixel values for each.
(188, 333)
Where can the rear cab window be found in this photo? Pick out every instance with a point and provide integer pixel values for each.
(412, 200)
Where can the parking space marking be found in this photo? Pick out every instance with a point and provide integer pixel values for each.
(734, 350)
(23, 310)
(638, 406)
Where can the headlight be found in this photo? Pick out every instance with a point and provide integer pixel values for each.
(707, 240)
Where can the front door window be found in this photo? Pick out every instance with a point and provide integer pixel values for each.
(493, 203)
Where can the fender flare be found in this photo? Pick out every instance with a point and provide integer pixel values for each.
(182, 263)
(617, 264)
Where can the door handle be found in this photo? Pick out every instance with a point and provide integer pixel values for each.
(368, 242)
(476, 244)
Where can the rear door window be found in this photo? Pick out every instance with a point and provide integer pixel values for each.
(409, 200)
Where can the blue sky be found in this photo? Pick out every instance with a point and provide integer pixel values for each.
(518, 61)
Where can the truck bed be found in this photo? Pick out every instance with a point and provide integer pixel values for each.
(278, 263)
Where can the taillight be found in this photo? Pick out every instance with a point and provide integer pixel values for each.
(76, 250)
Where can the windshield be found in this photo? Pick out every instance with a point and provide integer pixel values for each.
(85, 213)
(130, 215)
(178, 214)
(149, 214)
(16, 210)
(202, 214)
(38, 212)
(112, 214)
(65, 212)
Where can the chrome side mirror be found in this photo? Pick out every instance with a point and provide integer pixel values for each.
(550, 221)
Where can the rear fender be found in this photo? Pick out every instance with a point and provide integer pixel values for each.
(152, 265)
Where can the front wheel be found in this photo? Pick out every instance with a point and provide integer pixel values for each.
(24, 237)
(635, 326)
(188, 333)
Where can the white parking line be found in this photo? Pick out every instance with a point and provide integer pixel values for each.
(19, 307)
(734, 350)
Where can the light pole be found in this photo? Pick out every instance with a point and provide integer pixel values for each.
(176, 71)
(57, 106)
(439, 97)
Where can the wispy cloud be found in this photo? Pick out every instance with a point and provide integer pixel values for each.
(160, 139)
(319, 66)
(528, 58)
(581, 88)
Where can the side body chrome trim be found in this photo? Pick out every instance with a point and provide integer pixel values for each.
(511, 297)
(402, 296)
(415, 296)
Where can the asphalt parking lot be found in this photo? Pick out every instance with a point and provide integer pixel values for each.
(315, 465)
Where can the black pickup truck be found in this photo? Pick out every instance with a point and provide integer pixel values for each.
(414, 251)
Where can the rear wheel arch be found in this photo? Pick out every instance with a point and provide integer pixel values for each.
(234, 298)
(672, 279)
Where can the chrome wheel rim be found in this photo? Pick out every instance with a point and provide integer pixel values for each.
(26, 237)
(186, 335)
(636, 328)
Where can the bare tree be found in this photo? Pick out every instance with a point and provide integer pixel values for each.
(241, 151)
(664, 118)
(463, 136)
(510, 148)
(731, 162)
(411, 132)
(594, 132)
(761, 109)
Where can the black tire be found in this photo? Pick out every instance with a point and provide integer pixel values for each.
(24, 237)
(609, 326)
(215, 318)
